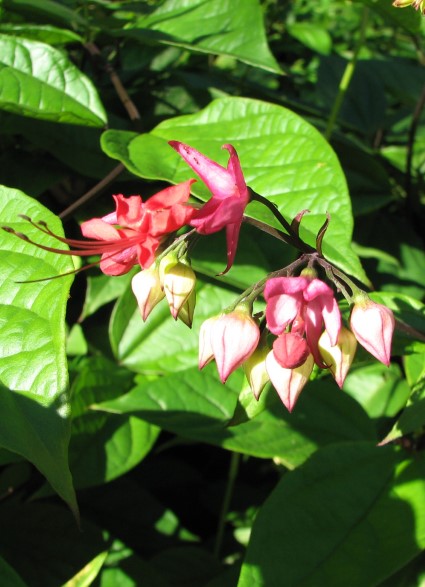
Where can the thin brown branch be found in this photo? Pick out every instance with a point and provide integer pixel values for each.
(93, 192)
(127, 102)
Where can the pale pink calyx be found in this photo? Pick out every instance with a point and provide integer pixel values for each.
(373, 326)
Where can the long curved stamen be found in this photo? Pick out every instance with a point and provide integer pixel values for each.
(87, 247)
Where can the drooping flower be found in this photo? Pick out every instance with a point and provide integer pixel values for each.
(230, 339)
(288, 382)
(129, 236)
(339, 357)
(373, 326)
(230, 195)
(305, 303)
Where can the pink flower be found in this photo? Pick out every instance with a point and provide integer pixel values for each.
(288, 382)
(140, 228)
(230, 339)
(305, 303)
(130, 235)
(230, 195)
(373, 326)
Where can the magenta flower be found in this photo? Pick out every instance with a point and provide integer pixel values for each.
(373, 326)
(230, 195)
(230, 339)
(305, 303)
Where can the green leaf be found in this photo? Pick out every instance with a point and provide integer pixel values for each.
(235, 29)
(327, 522)
(283, 158)
(103, 447)
(412, 418)
(198, 406)
(101, 290)
(407, 18)
(381, 391)
(88, 573)
(39, 81)
(35, 408)
(9, 576)
(312, 36)
(45, 33)
(46, 10)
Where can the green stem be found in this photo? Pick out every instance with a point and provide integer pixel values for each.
(347, 76)
(231, 479)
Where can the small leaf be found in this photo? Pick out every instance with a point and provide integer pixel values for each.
(88, 573)
(39, 81)
(312, 36)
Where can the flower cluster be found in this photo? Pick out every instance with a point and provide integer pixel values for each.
(302, 324)
(303, 314)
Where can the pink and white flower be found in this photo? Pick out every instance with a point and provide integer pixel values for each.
(306, 304)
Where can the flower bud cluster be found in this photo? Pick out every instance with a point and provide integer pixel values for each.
(304, 316)
(171, 278)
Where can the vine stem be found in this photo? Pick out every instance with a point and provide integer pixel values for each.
(347, 76)
(231, 479)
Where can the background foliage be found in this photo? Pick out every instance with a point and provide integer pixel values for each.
(175, 479)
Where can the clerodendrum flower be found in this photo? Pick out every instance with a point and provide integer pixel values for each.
(230, 195)
(307, 304)
(132, 234)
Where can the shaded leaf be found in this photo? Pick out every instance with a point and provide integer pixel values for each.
(330, 518)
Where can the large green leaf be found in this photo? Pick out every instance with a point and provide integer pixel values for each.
(283, 158)
(352, 515)
(39, 81)
(229, 27)
(35, 407)
(198, 406)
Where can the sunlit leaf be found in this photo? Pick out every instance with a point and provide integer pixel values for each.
(35, 407)
(39, 81)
